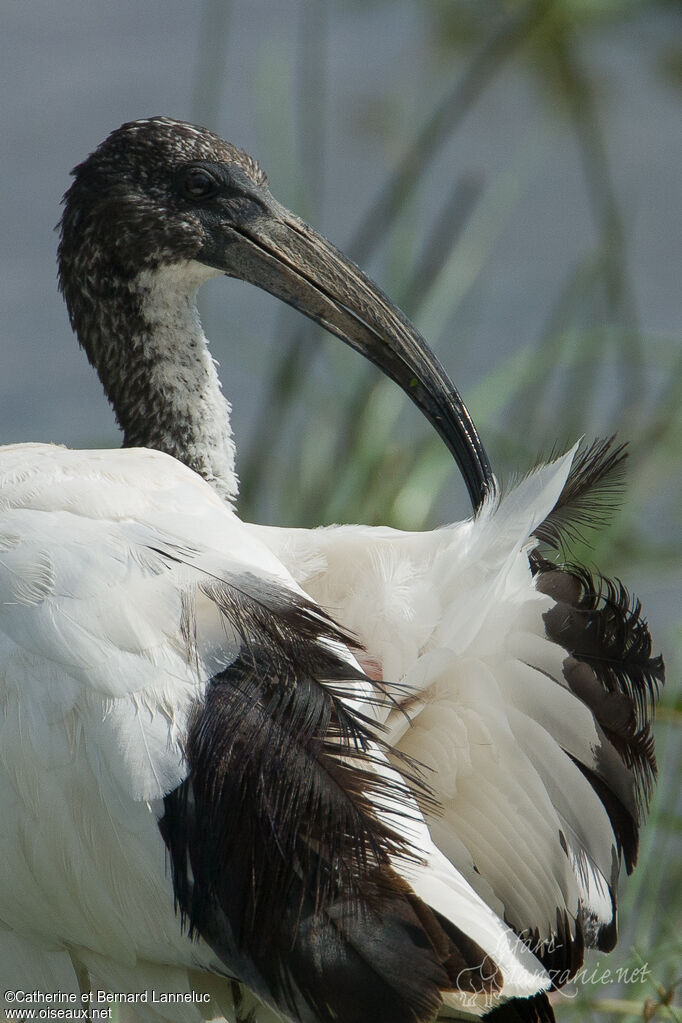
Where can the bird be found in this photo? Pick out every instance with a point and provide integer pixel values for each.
(348, 773)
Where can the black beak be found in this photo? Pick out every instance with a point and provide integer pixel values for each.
(270, 247)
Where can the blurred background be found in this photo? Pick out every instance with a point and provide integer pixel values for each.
(510, 172)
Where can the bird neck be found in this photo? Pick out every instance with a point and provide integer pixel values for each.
(145, 339)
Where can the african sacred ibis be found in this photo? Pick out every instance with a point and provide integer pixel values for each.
(201, 793)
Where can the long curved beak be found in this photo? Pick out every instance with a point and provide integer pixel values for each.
(272, 248)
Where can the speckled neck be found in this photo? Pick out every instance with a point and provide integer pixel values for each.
(145, 339)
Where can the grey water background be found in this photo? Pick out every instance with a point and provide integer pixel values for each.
(554, 261)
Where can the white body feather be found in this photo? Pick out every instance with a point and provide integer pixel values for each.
(98, 554)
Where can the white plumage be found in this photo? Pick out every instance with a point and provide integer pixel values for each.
(101, 554)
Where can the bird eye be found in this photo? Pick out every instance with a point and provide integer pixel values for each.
(199, 183)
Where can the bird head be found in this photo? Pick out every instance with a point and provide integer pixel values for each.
(159, 192)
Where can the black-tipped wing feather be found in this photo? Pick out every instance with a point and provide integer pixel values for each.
(590, 496)
(609, 664)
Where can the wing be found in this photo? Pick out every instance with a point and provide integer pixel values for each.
(527, 692)
(193, 783)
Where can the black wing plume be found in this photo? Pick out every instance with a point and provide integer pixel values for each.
(279, 857)
(590, 495)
